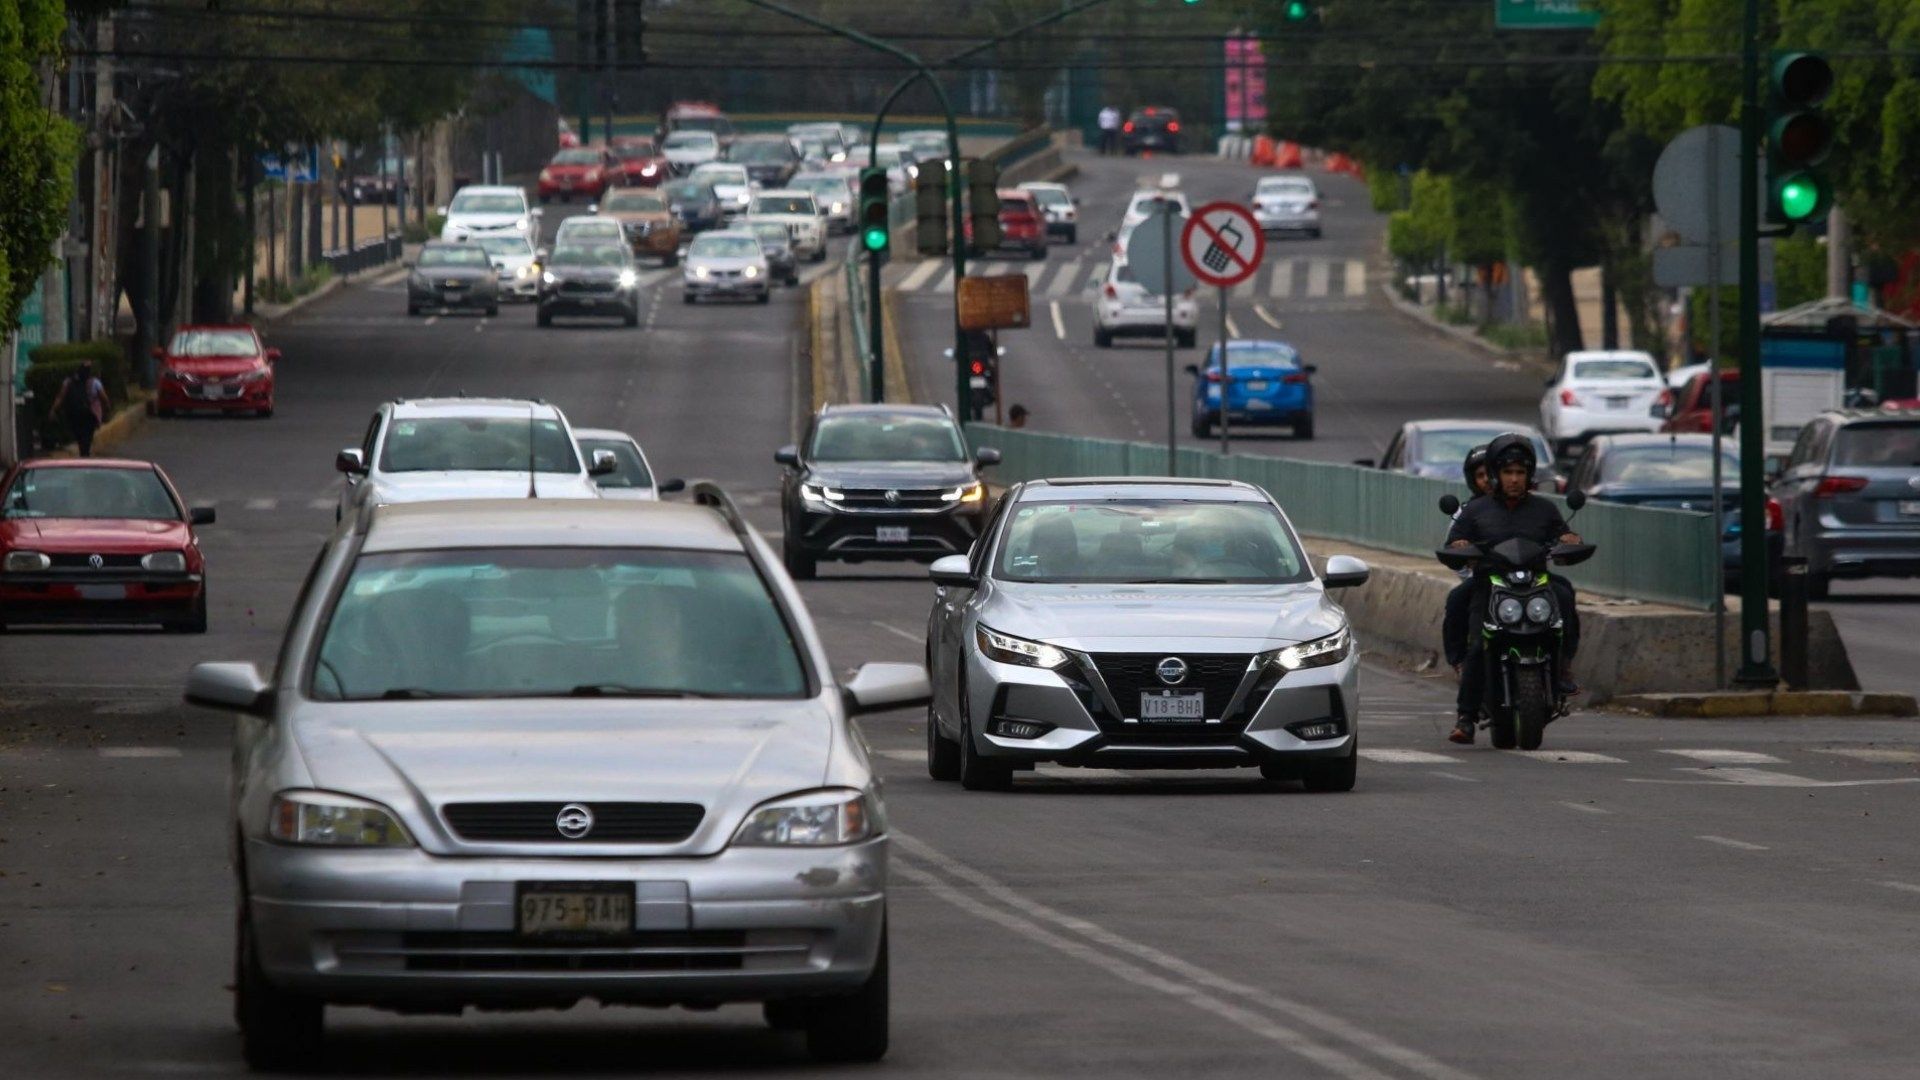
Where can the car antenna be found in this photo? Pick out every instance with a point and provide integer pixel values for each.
(533, 491)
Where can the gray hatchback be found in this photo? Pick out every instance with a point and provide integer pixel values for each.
(522, 753)
(1850, 497)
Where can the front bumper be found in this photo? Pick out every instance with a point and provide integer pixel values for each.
(403, 928)
(99, 597)
(482, 297)
(1271, 223)
(746, 287)
(224, 395)
(618, 303)
(855, 536)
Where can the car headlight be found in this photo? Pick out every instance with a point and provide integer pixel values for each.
(702, 272)
(165, 562)
(628, 279)
(820, 494)
(825, 818)
(525, 271)
(1539, 609)
(1508, 610)
(1320, 652)
(26, 562)
(547, 277)
(1012, 650)
(751, 272)
(523, 224)
(325, 819)
(839, 208)
(256, 374)
(965, 493)
(649, 170)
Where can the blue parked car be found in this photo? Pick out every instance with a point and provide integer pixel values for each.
(1269, 387)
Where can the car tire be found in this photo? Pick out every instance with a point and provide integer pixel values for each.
(820, 256)
(196, 619)
(264, 414)
(164, 414)
(1315, 234)
(543, 317)
(632, 317)
(1037, 253)
(413, 309)
(943, 754)
(1280, 771)
(670, 260)
(545, 199)
(1073, 235)
(1337, 774)
(493, 310)
(977, 772)
(687, 298)
(1102, 338)
(765, 297)
(852, 1027)
(279, 1032)
(801, 566)
(1303, 429)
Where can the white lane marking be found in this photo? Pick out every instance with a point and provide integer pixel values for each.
(1317, 273)
(1280, 286)
(1266, 316)
(1740, 845)
(1454, 776)
(1391, 756)
(1571, 757)
(915, 756)
(479, 326)
(1111, 943)
(1059, 322)
(431, 319)
(1068, 772)
(1742, 777)
(1233, 328)
(262, 504)
(1062, 282)
(1034, 272)
(1888, 757)
(1902, 886)
(918, 275)
(321, 504)
(917, 639)
(1728, 757)
(1584, 808)
(139, 751)
(945, 283)
(1356, 277)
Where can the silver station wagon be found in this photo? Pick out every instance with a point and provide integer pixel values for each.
(517, 754)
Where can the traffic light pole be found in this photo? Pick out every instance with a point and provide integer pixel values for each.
(1756, 652)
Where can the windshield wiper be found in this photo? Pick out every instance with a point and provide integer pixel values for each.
(619, 690)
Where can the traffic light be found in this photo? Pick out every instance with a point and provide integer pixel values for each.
(875, 194)
(1298, 10)
(1799, 135)
(983, 203)
(629, 33)
(930, 208)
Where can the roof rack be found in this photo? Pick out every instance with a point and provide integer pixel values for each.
(710, 493)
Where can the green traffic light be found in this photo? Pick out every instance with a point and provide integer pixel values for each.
(1296, 10)
(874, 239)
(1799, 198)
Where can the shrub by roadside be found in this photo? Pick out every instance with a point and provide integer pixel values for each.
(416, 233)
(284, 292)
(51, 366)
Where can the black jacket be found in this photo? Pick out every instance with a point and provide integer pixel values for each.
(1488, 520)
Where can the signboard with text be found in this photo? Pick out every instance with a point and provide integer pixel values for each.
(1544, 15)
(994, 303)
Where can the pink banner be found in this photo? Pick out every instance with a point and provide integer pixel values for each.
(1246, 83)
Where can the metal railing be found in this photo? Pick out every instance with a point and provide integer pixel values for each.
(364, 256)
(1664, 556)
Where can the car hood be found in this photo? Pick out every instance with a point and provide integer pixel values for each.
(680, 154)
(472, 484)
(511, 262)
(94, 536)
(642, 217)
(789, 219)
(1144, 618)
(711, 262)
(731, 191)
(217, 367)
(890, 474)
(418, 756)
(571, 169)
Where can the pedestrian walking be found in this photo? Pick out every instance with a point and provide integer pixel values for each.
(1109, 130)
(82, 402)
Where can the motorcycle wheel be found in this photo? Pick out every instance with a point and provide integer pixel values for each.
(1532, 706)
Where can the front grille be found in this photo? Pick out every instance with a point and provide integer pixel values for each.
(1218, 675)
(84, 562)
(645, 950)
(613, 823)
(587, 288)
(906, 498)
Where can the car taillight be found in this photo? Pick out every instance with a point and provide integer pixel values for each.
(1838, 485)
(1298, 378)
(1664, 400)
(1213, 374)
(1112, 293)
(1128, 128)
(1173, 127)
(1776, 518)
(1569, 398)
(979, 367)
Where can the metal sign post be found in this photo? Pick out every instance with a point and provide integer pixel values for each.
(1226, 377)
(1166, 252)
(1223, 245)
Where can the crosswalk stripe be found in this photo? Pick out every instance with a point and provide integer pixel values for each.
(1062, 282)
(262, 504)
(1404, 757)
(1034, 271)
(321, 504)
(1728, 757)
(918, 275)
(1571, 757)
(1317, 275)
(945, 284)
(1356, 277)
(1280, 285)
(1887, 757)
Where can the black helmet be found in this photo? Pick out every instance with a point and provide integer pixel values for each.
(1508, 449)
(1476, 459)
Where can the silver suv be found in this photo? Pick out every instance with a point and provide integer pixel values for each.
(517, 754)
(1141, 623)
(1850, 497)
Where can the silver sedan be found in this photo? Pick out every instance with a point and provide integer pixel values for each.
(1141, 623)
(517, 754)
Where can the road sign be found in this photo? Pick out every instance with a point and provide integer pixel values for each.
(1147, 254)
(1544, 15)
(994, 303)
(1685, 265)
(1696, 184)
(1222, 244)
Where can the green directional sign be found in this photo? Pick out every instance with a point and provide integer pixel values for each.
(1544, 15)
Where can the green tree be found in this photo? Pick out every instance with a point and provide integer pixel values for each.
(1418, 235)
(37, 150)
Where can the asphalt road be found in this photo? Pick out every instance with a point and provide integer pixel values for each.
(1660, 899)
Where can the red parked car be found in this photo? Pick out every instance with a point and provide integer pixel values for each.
(99, 540)
(224, 368)
(1692, 406)
(639, 162)
(586, 171)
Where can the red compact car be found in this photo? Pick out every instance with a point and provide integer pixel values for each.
(1692, 406)
(1021, 224)
(586, 171)
(99, 540)
(638, 162)
(224, 368)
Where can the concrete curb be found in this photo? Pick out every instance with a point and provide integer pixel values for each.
(1462, 334)
(1784, 703)
(268, 314)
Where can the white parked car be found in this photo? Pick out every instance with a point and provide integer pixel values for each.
(478, 211)
(687, 150)
(730, 184)
(1287, 204)
(432, 449)
(632, 476)
(796, 210)
(1125, 308)
(1602, 392)
(1058, 207)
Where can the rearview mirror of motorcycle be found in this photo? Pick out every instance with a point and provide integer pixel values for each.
(1449, 505)
(1576, 499)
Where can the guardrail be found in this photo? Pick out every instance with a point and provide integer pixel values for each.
(364, 256)
(1664, 556)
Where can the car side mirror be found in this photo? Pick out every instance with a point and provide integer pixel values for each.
(788, 456)
(230, 685)
(670, 487)
(352, 461)
(986, 455)
(1576, 499)
(879, 687)
(1449, 505)
(604, 464)
(1345, 572)
(200, 515)
(952, 571)
(1366, 463)
(273, 356)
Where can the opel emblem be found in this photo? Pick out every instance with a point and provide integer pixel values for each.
(96, 561)
(574, 821)
(892, 497)
(1172, 671)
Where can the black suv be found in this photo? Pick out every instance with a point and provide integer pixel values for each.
(1155, 128)
(882, 482)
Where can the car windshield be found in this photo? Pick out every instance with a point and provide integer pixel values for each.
(1143, 202)
(1449, 447)
(633, 150)
(825, 187)
(724, 247)
(630, 471)
(1017, 206)
(761, 153)
(588, 255)
(454, 255)
(1614, 369)
(214, 343)
(1256, 356)
(577, 157)
(634, 202)
(487, 204)
(783, 204)
(505, 247)
(771, 233)
(556, 622)
(1885, 446)
(706, 125)
(1672, 464)
(690, 140)
(90, 493)
(890, 155)
(886, 437)
(581, 230)
(477, 444)
(1051, 196)
(1142, 540)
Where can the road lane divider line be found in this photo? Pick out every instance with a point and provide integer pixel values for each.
(917, 639)
(1059, 323)
(1569, 757)
(1903, 886)
(915, 756)
(139, 751)
(431, 319)
(1738, 845)
(918, 275)
(1454, 776)
(261, 504)
(1233, 328)
(1266, 316)
(1328, 1058)
(1394, 756)
(1113, 943)
(1280, 285)
(1584, 808)
(321, 504)
(1356, 277)
(1728, 757)
(1317, 276)
(1883, 757)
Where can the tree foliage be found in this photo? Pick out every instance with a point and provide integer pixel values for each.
(37, 151)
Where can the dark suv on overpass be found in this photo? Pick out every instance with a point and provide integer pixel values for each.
(881, 482)
(1154, 129)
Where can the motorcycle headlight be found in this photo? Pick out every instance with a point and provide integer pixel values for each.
(1509, 610)
(966, 493)
(1539, 610)
(165, 562)
(628, 279)
(1012, 650)
(1517, 577)
(325, 819)
(1320, 652)
(750, 272)
(826, 818)
(27, 562)
(548, 278)
(820, 495)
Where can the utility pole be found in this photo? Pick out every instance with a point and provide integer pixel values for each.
(149, 309)
(103, 264)
(1839, 255)
(1756, 651)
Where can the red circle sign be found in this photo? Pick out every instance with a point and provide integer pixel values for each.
(1222, 244)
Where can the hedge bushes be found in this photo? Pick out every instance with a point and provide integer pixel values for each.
(51, 366)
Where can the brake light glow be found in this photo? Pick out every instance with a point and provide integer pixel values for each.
(1173, 127)
(1776, 518)
(1112, 293)
(1128, 127)
(1838, 485)
(979, 367)
(1213, 374)
(1298, 378)
(1569, 398)
(1664, 400)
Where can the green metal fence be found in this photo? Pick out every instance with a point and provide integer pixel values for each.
(1666, 556)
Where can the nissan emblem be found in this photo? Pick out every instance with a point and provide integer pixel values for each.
(1172, 671)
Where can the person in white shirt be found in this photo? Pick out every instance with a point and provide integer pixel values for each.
(1109, 130)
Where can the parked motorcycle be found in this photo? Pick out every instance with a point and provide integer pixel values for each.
(1520, 628)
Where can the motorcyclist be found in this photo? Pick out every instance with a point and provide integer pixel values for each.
(1453, 629)
(1511, 510)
